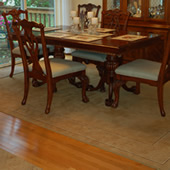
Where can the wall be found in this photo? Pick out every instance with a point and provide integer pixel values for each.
(62, 10)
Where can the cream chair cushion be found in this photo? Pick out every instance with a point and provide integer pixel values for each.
(140, 68)
(60, 67)
(89, 55)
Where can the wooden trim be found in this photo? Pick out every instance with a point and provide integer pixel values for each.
(153, 26)
(104, 5)
(168, 12)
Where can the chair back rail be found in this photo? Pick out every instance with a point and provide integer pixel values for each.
(164, 74)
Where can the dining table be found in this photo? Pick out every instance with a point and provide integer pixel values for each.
(101, 41)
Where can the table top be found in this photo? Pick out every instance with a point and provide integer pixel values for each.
(106, 42)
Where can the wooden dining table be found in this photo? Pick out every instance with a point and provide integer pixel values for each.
(112, 45)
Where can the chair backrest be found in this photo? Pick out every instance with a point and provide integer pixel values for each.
(28, 43)
(116, 19)
(14, 15)
(164, 74)
(89, 7)
(85, 8)
(1, 4)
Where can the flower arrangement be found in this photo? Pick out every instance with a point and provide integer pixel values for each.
(2, 21)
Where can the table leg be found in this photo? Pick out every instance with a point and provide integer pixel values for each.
(112, 64)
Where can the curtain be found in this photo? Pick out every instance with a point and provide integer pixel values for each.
(63, 8)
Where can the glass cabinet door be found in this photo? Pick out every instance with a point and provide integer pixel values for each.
(116, 4)
(157, 9)
(134, 7)
(112, 4)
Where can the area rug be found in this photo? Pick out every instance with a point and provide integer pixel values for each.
(5, 71)
(134, 130)
(9, 161)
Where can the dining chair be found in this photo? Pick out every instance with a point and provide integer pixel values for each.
(145, 71)
(48, 70)
(115, 19)
(15, 14)
(85, 8)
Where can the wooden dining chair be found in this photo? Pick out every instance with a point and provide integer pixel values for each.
(48, 70)
(145, 71)
(85, 8)
(115, 19)
(14, 15)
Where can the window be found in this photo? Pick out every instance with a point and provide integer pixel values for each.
(40, 11)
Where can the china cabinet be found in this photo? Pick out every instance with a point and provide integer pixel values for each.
(146, 15)
(152, 16)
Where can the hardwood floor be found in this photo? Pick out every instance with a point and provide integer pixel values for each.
(53, 151)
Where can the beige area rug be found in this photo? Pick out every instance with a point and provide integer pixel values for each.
(9, 161)
(134, 130)
(5, 71)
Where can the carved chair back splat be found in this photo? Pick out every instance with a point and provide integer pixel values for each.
(116, 19)
(85, 8)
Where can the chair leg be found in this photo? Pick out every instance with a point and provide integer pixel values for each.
(26, 89)
(102, 74)
(109, 101)
(101, 84)
(12, 66)
(160, 100)
(137, 90)
(85, 82)
(54, 88)
(49, 97)
(116, 90)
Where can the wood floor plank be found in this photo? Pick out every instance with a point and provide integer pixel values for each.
(50, 150)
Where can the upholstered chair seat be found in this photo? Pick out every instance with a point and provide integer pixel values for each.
(140, 68)
(89, 55)
(60, 67)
